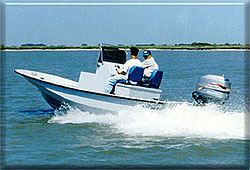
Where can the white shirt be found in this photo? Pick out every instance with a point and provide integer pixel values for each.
(149, 65)
(129, 64)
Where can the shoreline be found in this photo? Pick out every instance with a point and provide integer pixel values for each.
(127, 49)
(51, 50)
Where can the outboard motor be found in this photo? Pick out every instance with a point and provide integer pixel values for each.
(212, 89)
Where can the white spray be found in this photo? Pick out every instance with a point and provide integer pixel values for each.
(180, 121)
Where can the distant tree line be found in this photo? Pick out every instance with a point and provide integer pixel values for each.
(205, 44)
(152, 44)
(44, 45)
(145, 44)
(192, 46)
(33, 45)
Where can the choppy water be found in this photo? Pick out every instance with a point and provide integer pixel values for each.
(182, 135)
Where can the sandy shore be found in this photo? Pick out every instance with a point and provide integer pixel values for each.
(51, 50)
(199, 50)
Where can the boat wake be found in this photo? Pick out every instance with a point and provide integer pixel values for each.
(182, 120)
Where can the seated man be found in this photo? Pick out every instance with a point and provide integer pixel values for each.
(149, 65)
(123, 75)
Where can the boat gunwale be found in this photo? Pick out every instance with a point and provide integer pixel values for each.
(87, 91)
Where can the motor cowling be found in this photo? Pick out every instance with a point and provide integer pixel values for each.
(212, 89)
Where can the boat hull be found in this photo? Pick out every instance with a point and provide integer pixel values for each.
(56, 95)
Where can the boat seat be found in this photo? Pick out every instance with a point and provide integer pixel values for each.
(154, 80)
(134, 76)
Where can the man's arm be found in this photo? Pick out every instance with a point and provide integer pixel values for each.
(146, 64)
(121, 72)
(125, 69)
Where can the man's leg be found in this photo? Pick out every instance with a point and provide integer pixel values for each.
(112, 81)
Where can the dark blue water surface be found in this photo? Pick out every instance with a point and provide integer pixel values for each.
(182, 135)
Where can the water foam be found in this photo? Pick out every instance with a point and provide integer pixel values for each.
(180, 121)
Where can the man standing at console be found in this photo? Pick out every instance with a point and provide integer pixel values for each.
(123, 74)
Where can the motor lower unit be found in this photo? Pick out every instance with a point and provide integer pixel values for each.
(212, 89)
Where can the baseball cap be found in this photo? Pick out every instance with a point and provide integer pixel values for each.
(146, 53)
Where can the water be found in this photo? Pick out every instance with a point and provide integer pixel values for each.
(183, 135)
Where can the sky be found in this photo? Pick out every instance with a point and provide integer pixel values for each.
(129, 24)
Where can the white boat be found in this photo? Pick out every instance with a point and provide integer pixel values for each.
(88, 93)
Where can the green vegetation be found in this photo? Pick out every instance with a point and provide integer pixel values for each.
(182, 46)
(33, 45)
(2, 47)
(44, 47)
